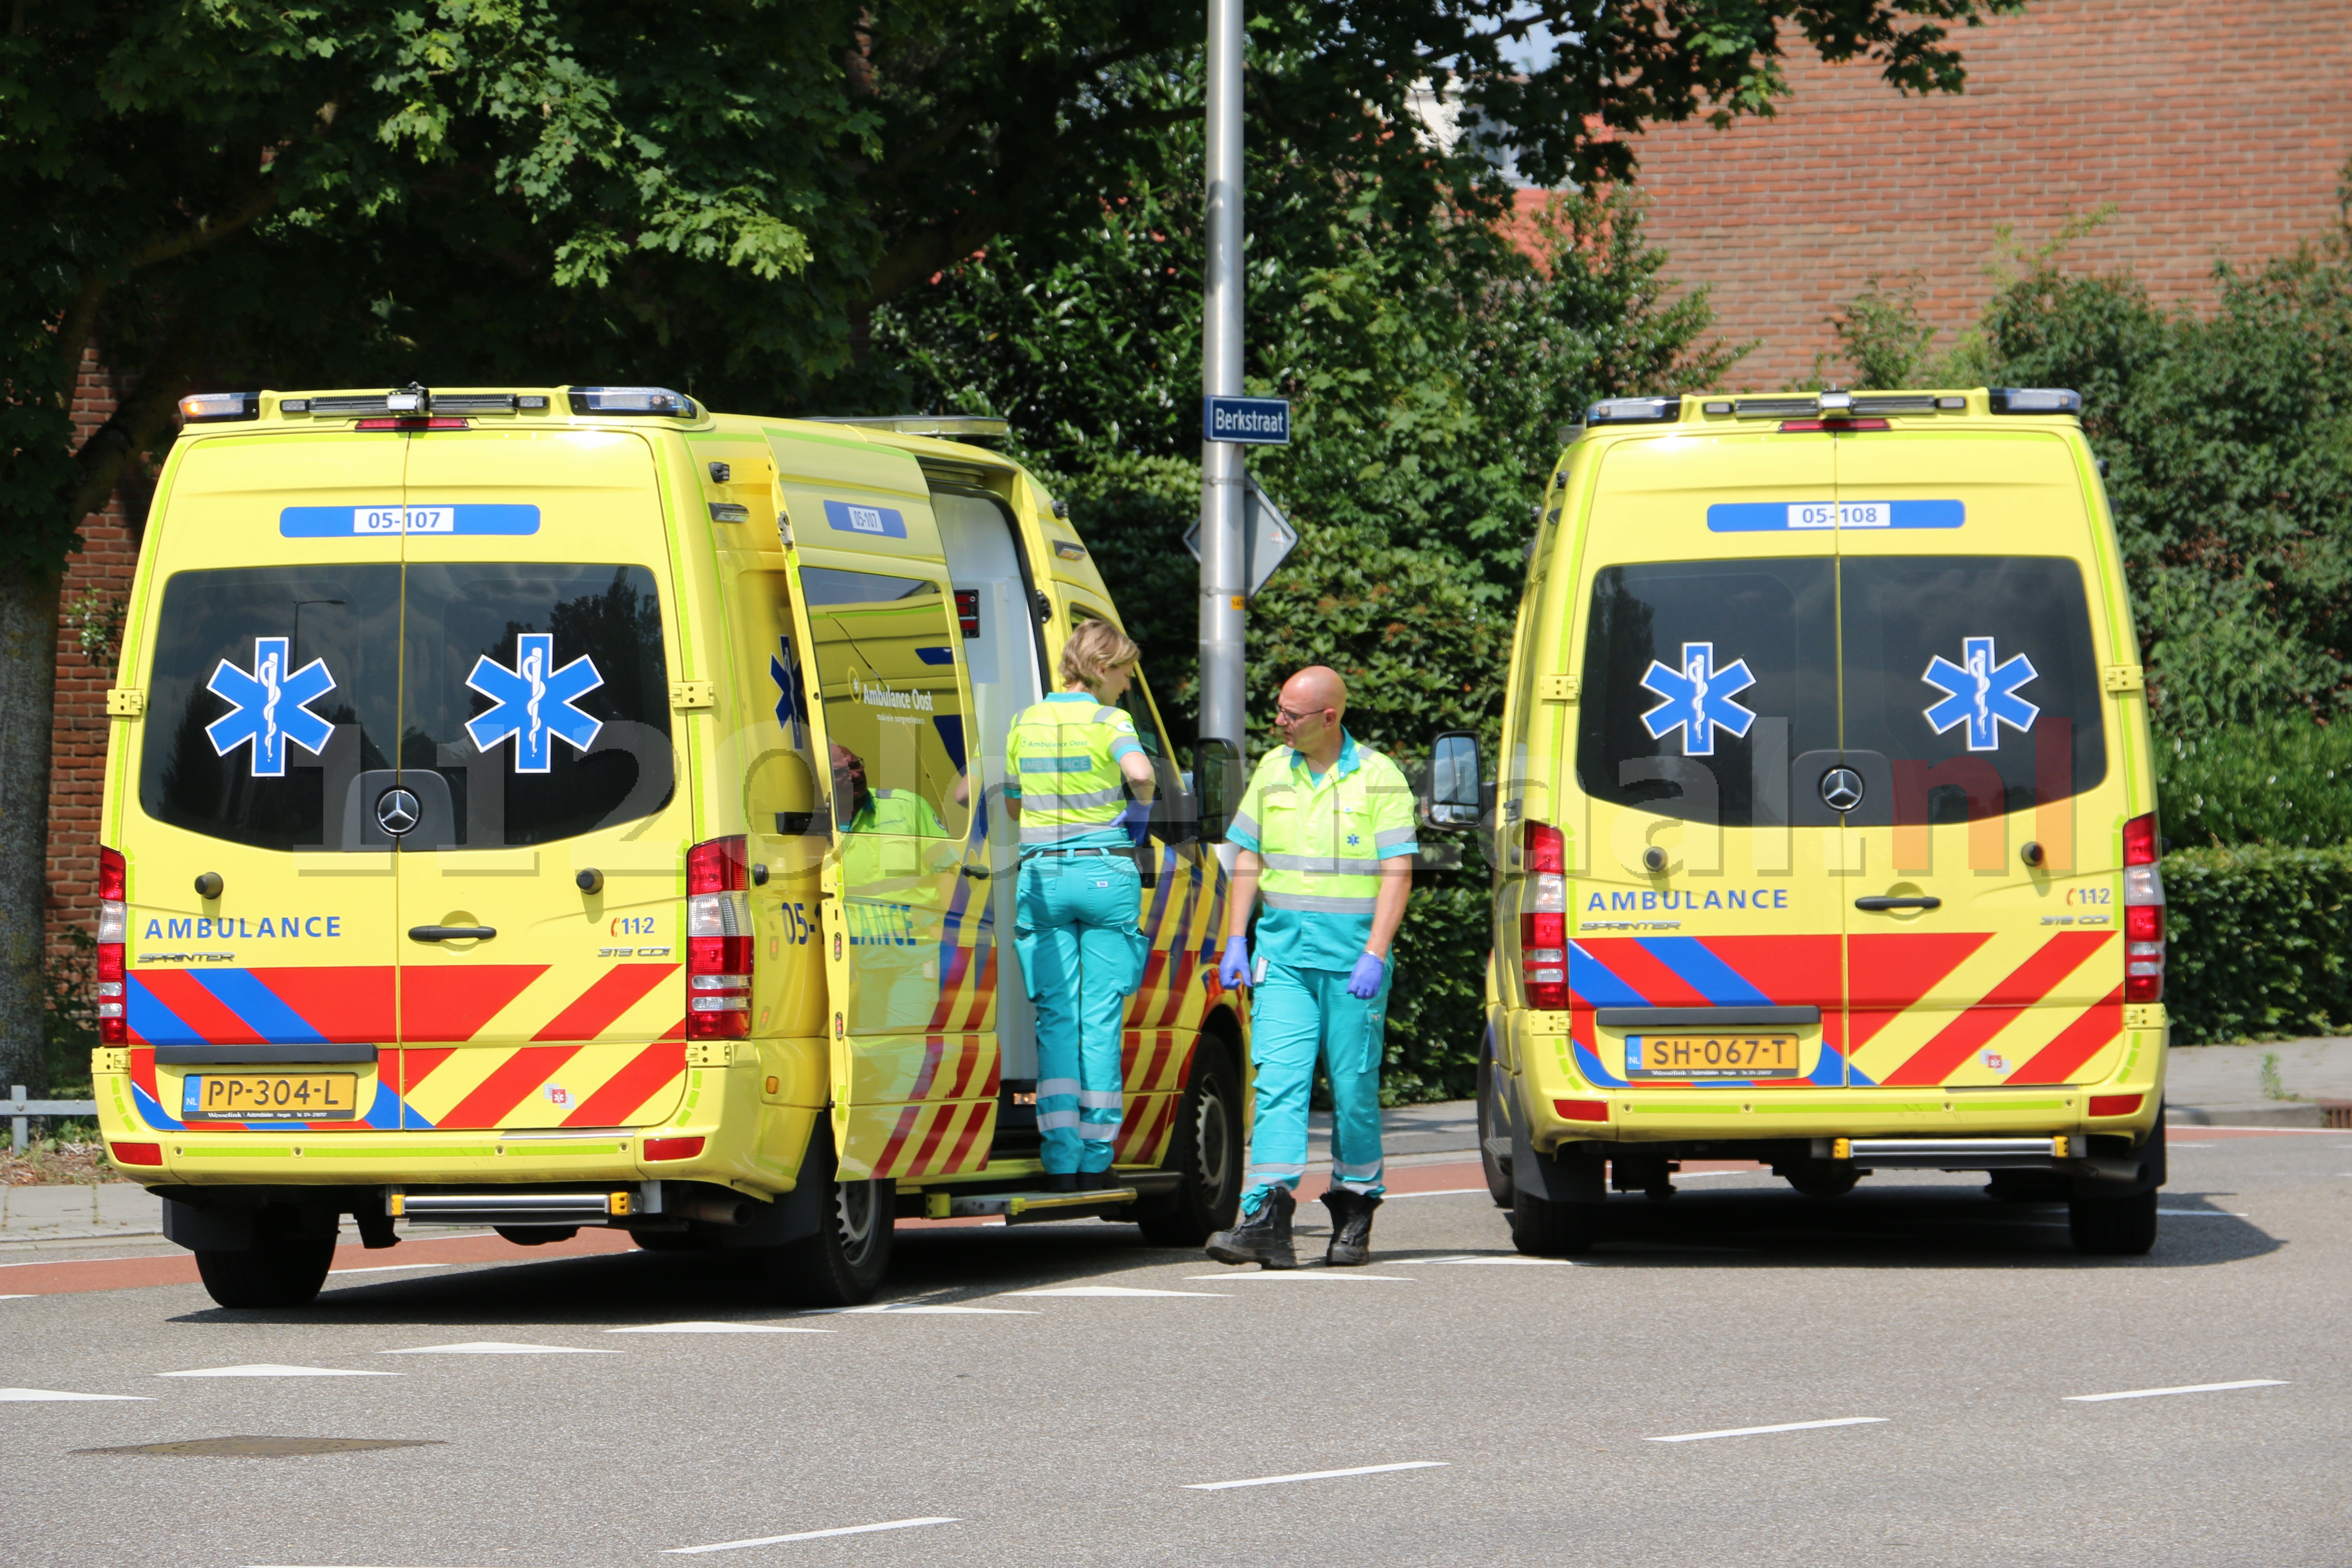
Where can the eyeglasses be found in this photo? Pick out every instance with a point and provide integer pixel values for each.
(1285, 715)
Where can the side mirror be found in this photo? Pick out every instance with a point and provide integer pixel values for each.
(1217, 784)
(1454, 769)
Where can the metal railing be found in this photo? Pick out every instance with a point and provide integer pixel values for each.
(21, 1109)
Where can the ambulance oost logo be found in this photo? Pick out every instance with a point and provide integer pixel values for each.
(1983, 696)
(269, 707)
(533, 704)
(1698, 700)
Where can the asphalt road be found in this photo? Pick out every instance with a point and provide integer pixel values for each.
(1953, 1338)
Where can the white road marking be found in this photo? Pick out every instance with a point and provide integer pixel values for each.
(15, 1394)
(714, 1328)
(1784, 1426)
(1507, 1261)
(1115, 1291)
(1315, 1476)
(270, 1369)
(2202, 1213)
(1312, 1271)
(20, 1296)
(806, 1535)
(942, 1312)
(1440, 1193)
(496, 1347)
(2190, 1388)
(387, 1267)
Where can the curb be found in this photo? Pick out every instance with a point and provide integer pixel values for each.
(2262, 1113)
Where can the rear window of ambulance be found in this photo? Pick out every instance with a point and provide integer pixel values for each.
(274, 689)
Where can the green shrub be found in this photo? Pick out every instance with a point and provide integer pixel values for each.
(2261, 942)
(2288, 782)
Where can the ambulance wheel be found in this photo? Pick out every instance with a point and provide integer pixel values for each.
(2113, 1228)
(1822, 1178)
(1207, 1155)
(843, 1264)
(536, 1235)
(1542, 1229)
(671, 1241)
(279, 1274)
(1490, 1129)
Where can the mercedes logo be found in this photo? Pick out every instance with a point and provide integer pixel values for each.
(1841, 789)
(397, 812)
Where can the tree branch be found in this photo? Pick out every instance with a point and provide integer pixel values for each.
(141, 420)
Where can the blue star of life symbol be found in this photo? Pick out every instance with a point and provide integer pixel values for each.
(270, 707)
(1983, 696)
(532, 704)
(1353, 840)
(791, 701)
(1698, 700)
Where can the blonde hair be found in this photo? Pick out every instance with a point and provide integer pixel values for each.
(1095, 650)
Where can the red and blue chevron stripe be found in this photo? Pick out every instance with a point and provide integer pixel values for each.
(1709, 971)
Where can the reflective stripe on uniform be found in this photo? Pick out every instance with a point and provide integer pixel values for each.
(1329, 863)
(1320, 905)
(1063, 754)
(1101, 1100)
(1038, 801)
(1057, 1086)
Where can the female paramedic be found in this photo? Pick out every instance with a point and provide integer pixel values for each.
(1081, 952)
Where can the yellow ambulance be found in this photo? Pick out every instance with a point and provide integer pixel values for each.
(567, 807)
(1825, 821)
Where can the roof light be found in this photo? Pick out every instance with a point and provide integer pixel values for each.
(1830, 401)
(1722, 405)
(1634, 411)
(1790, 426)
(1959, 403)
(411, 399)
(2035, 400)
(209, 407)
(657, 400)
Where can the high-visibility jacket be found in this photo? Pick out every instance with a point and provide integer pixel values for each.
(1064, 760)
(1322, 841)
(894, 846)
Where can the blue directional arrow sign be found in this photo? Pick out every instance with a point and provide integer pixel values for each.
(533, 705)
(1246, 421)
(1698, 700)
(1983, 696)
(269, 707)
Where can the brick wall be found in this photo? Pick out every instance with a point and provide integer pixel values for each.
(2215, 129)
(78, 733)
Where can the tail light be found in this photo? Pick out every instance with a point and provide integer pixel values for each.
(718, 940)
(673, 1148)
(1582, 1110)
(2143, 914)
(1543, 919)
(136, 1154)
(2116, 1104)
(113, 924)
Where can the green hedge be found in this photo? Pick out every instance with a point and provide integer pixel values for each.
(2261, 942)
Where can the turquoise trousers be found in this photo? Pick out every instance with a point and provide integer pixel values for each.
(1081, 958)
(1296, 1014)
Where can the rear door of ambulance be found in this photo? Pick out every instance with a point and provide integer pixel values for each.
(1708, 675)
(915, 1069)
(539, 629)
(268, 645)
(1977, 614)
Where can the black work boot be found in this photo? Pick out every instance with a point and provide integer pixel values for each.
(1263, 1238)
(1351, 1227)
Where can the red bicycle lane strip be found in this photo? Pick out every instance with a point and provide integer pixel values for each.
(68, 1275)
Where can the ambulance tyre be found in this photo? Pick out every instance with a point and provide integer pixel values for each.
(1541, 1228)
(1497, 1167)
(272, 1274)
(843, 1264)
(2113, 1228)
(1207, 1153)
(1821, 1178)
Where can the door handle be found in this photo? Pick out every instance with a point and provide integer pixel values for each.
(1884, 901)
(977, 873)
(451, 934)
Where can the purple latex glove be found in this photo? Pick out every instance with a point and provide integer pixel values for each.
(1365, 983)
(1233, 970)
(1136, 820)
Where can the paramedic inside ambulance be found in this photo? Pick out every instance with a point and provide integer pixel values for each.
(1080, 787)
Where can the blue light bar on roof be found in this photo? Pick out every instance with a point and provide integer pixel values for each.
(1634, 411)
(657, 400)
(2035, 400)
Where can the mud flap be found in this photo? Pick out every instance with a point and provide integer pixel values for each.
(1573, 1178)
(798, 1213)
(241, 1227)
(2143, 1170)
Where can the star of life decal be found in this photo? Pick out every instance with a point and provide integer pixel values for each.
(1983, 695)
(533, 704)
(792, 697)
(269, 707)
(1698, 700)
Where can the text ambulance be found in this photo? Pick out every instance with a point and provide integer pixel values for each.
(570, 807)
(1826, 828)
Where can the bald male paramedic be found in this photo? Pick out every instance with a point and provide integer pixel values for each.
(1325, 834)
(1081, 788)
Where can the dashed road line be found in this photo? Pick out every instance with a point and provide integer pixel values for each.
(20, 1395)
(804, 1535)
(1309, 1272)
(497, 1347)
(270, 1369)
(715, 1329)
(1783, 1426)
(2188, 1388)
(1121, 1291)
(1315, 1476)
